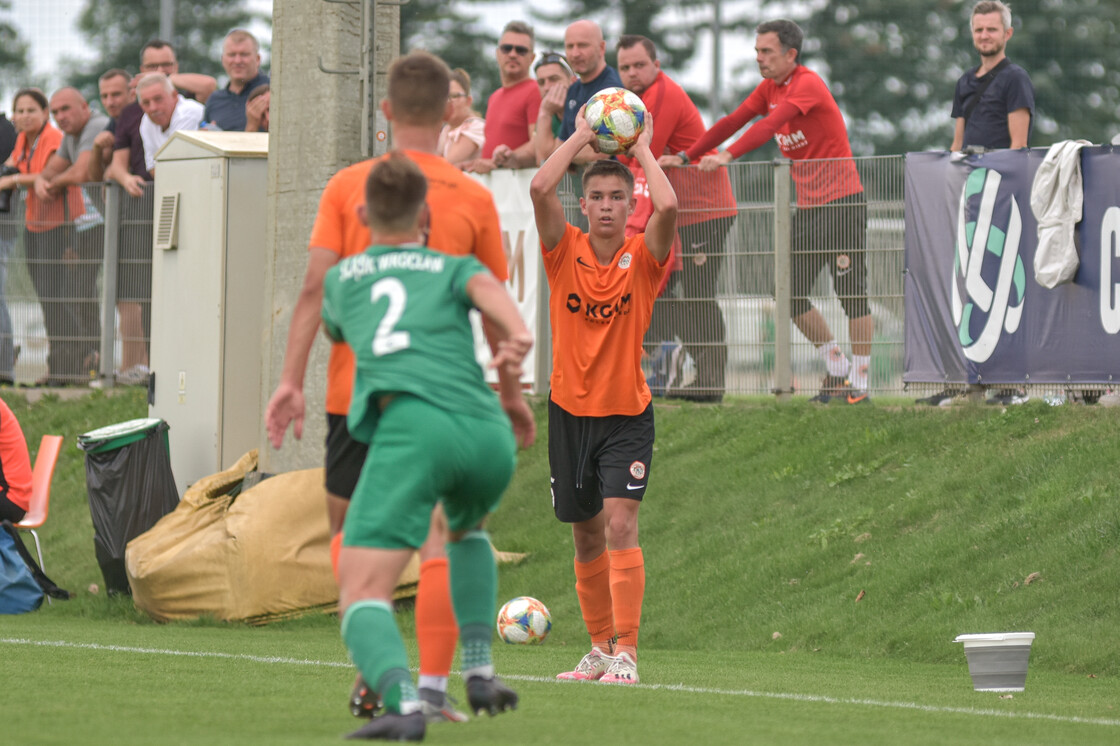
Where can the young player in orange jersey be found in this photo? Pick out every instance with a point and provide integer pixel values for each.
(463, 221)
(600, 421)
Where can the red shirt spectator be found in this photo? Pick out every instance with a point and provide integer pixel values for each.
(510, 111)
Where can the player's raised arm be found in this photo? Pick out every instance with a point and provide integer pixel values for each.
(549, 212)
(661, 229)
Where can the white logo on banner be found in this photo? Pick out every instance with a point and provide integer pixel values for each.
(1110, 291)
(975, 303)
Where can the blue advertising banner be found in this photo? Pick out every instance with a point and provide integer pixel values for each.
(974, 312)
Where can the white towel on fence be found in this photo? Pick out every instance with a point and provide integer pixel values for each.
(1056, 200)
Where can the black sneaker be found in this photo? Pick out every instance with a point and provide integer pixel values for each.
(392, 727)
(854, 395)
(364, 702)
(942, 398)
(490, 696)
(831, 387)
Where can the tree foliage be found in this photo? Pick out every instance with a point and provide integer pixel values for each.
(117, 29)
(457, 36)
(13, 49)
(893, 64)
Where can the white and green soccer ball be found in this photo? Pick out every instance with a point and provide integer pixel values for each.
(524, 621)
(617, 117)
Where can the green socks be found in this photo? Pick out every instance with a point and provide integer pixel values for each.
(474, 594)
(370, 633)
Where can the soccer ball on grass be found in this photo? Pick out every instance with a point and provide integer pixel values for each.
(617, 117)
(524, 620)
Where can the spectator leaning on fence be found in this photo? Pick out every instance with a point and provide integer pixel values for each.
(241, 59)
(64, 266)
(165, 112)
(511, 111)
(993, 104)
(707, 210)
(462, 136)
(36, 142)
(158, 56)
(116, 92)
(829, 227)
(553, 78)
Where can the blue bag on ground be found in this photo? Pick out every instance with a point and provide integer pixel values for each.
(17, 566)
(19, 593)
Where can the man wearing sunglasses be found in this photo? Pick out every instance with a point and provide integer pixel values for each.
(511, 111)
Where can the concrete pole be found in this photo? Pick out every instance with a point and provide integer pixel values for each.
(716, 105)
(783, 370)
(382, 45)
(316, 129)
(167, 20)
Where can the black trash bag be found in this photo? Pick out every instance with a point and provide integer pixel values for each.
(130, 487)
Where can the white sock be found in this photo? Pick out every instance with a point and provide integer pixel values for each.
(439, 683)
(834, 359)
(486, 672)
(861, 364)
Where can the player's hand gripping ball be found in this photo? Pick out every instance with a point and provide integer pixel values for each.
(617, 117)
(524, 621)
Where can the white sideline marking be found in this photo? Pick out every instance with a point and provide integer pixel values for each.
(813, 698)
(182, 653)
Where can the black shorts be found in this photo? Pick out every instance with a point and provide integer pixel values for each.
(595, 457)
(345, 457)
(833, 235)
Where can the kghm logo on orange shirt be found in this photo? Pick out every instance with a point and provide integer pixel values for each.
(599, 313)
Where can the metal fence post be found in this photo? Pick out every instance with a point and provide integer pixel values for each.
(109, 282)
(783, 373)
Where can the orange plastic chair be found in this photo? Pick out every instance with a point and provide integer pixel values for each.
(41, 474)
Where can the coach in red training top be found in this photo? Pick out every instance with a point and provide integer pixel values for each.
(799, 112)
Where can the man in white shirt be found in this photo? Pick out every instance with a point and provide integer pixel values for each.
(165, 112)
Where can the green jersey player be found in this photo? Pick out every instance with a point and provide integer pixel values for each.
(436, 433)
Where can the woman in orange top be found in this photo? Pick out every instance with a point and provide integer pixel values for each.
(45, 241)
(36, 141)
(15, 468)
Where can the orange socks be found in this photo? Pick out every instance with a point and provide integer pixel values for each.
(336, 549)
(593, 587)
(627, 589)
(436, 631)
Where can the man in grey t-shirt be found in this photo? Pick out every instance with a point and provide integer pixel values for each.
(63, 264)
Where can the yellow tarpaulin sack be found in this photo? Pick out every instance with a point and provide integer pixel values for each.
(259, 556)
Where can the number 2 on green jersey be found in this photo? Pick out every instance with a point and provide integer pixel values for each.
(388, 340)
